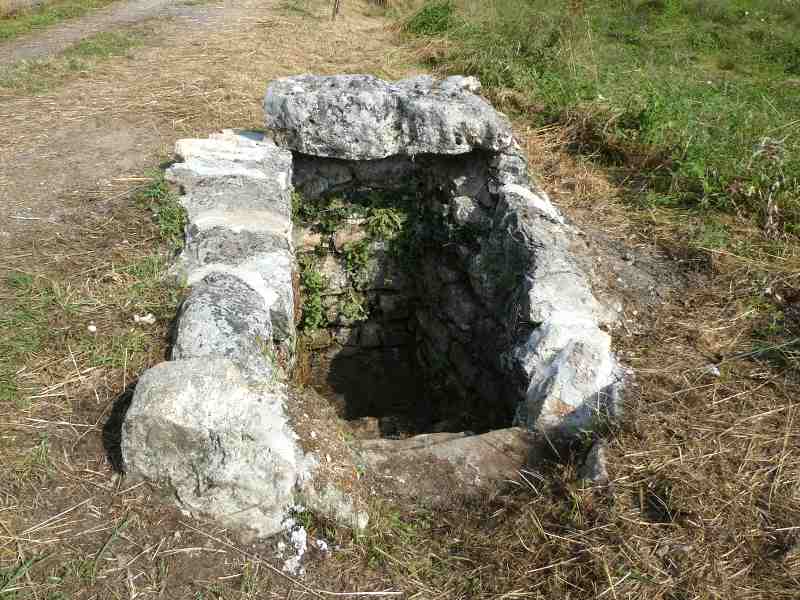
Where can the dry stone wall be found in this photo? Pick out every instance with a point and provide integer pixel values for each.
(212, 424)
(473, 289)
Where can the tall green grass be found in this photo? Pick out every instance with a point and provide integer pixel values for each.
(702, 97)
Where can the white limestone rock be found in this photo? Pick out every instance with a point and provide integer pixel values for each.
(219, 440)
(360, 117)
(225, 317)
(233, 170)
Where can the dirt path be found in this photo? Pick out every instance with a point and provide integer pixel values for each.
(61, 152)
(53, 40)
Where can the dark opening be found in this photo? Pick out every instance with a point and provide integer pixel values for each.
(391, 328)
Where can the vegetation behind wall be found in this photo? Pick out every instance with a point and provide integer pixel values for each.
(697, 99)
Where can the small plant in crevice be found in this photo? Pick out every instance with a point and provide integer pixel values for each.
(324, 215)
(356, 259)
(385, 223)
(313, 284)
(355, 307)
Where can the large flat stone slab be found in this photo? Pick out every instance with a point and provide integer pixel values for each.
(360, 117)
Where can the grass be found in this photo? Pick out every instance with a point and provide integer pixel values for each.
(169, 215)
(696, 100)
(43, 75)
(45, 15)
(669, 127)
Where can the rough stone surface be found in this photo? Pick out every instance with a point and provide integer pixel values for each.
(237, 193)
(594, 469)
(509, 284)
(359, 117)
(211, 424)
(233, 171)
(218, 439)
(437, 466)
(223, 316)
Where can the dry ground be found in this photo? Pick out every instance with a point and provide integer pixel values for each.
(705, 500)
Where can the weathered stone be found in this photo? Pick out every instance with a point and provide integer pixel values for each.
(594, 469)
(509, 167)
(435, 331)
(226, 245)
(224, 317)
(394, 306)
(306, 240)
(359, 117)
(237, 171)
(468, 212)
(219, 441)
(382, 272)
(333, 270)
(269, 274)
(392, 173)
(396, 334)
(573, 377)
(465, 175)
(370, 335)
(318, 339)
(314, 177)
(436, 466)
(523, 198)
(446, 274)
(463, 364)
(505, 317)
(346, 336)
(459, 306)
(349, 233)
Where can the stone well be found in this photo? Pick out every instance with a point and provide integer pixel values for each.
(378, 294)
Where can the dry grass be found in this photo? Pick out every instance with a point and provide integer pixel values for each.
(8, 7)
(705, 497)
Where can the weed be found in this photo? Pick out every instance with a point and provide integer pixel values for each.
(299, 7)
(169, 215)
(385, 223)
(433, 18)
(23, 328)
(40, 456)
(356, 259)
(354, 307)
(313, 284)
(103, 45)
(636, 80)
(118, 350)
(325, 215)
(8, 578)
